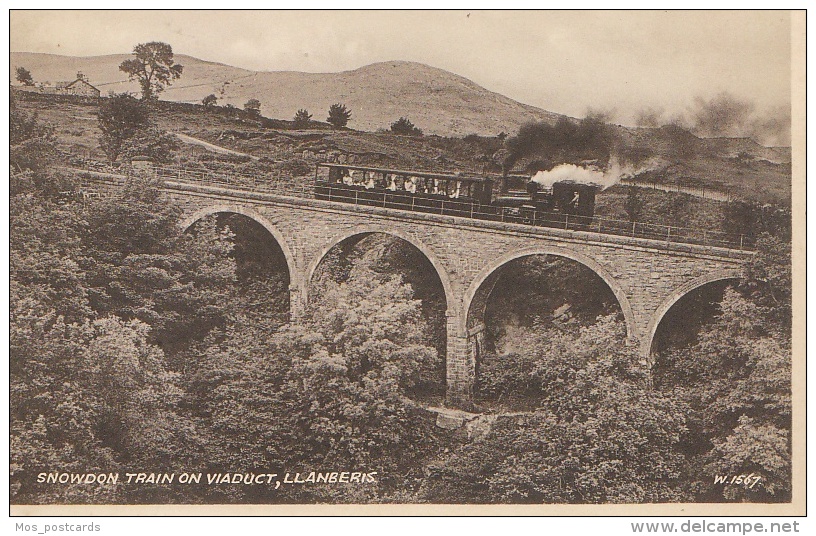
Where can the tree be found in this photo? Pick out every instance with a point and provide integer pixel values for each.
(339, 115)
(209, 101)
(404, 126)
(153, 67)
(127, 130)
(90, 389)
(600, 434)
(327, 391)
(141, 265)
(120, 118)
(24, 76)
(32, 158)
(736, 383)
(302, 118)
(634, 204)
(253, 106)
(768, 276)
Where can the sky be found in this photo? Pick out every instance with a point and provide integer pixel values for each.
(619, 62)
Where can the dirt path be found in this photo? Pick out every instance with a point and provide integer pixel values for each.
(210, 146)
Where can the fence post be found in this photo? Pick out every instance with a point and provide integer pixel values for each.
(441, 209)
(668, 233)
(566, 222)
(741, 238)
(412, 203)
(633, 228)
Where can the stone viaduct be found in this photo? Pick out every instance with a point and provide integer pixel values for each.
(646, 276)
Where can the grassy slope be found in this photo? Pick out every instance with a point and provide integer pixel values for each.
(76, 130)
(739, 166)
(103, 72)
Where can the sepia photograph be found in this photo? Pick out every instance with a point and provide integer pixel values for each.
(431, 262)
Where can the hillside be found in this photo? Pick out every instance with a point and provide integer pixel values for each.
(674, 156)
(437, 101)
(103, 71)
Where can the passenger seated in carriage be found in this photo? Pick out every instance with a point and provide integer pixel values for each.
(359, 177)
(411, 185)
(422, 185)
(457, 191)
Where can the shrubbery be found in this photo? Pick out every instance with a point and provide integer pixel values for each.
(404, 126)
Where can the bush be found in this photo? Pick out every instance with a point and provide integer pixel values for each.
(253, 107)
(633, 204)
(404, 126)
(209, 101)
(302, 118)
(120, 118)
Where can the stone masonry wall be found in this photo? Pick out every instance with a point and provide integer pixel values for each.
(644, 275)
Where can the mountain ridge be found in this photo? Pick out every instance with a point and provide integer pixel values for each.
(436, 100)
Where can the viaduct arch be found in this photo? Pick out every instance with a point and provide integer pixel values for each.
(277, 235)
(648, 338)
(474, 304)
(368, 229)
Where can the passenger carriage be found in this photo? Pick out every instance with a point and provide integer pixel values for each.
(417, 191)
(564, 204)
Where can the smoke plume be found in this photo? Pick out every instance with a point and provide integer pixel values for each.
(723, 116)
(567, 140)
(586, 175)
(603, 115)
(773, 129)
(726, 115)
(649, 118)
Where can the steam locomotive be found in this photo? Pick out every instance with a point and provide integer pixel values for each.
(457, 195)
